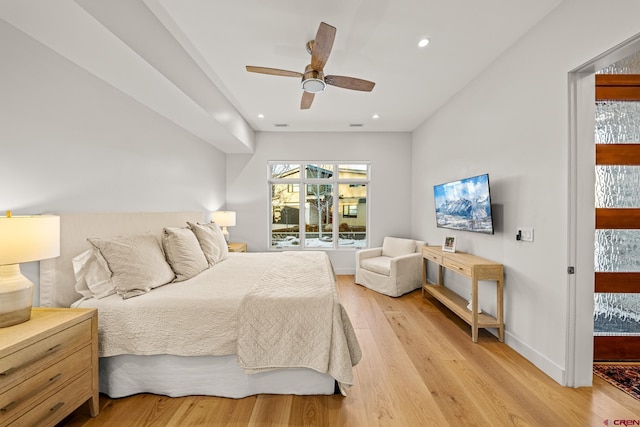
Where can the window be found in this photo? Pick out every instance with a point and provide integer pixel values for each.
(350, 211)
(330, 206)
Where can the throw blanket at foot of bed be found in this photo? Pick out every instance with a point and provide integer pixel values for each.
(292, 318)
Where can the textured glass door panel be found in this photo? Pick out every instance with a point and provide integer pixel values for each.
(617, 122)
(617, 251)
(617, 186)
(628, 65)
(616, 314)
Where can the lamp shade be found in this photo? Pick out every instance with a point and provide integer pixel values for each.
(29, 238)
(225, 218)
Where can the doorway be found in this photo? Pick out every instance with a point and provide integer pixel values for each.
(581, 212)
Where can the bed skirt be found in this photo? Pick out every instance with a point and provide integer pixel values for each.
(221, 376)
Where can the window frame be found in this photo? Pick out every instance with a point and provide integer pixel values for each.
(301, 182)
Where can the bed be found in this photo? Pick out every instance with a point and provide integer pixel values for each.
(252, 323)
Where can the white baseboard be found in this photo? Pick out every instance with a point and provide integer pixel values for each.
(345, 271)
(557, 373)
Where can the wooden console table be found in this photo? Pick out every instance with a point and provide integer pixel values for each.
(476, 269)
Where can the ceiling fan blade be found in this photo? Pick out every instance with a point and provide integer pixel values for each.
(322, 45)
(307, 99)
(273, 71)
(349, 83)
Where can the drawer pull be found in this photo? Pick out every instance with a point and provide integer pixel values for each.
(9, 406)
(54, 348)
(7, 372)
(56, 406)
(45, 354)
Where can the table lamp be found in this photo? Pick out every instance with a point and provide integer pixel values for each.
(23, 239)
(225, 219)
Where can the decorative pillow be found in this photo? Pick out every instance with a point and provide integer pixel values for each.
(93, 277)
(211, 241)
(137, 263)
(183, 252)
(395, 246)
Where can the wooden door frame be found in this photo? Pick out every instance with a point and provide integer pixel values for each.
(581, 212)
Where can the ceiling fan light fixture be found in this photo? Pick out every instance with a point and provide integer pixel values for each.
(313, 85)
(313, 80)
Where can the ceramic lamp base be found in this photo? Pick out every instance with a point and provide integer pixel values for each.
(16, 296)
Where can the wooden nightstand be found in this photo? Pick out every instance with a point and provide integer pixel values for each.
(49, 366)
(237, 247)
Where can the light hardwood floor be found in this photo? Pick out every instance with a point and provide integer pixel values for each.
(419, 368)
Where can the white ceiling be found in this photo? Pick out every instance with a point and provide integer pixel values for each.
(186, 59)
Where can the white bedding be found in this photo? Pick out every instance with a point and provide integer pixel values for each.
(166, 374)
(176, 376)
(156, 323)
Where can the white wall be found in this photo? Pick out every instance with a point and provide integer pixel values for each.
(71, 143)
(512, 122)
(389, 191)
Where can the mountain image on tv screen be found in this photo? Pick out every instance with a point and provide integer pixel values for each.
(464, 205)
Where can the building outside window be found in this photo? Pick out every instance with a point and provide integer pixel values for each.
(332, 206)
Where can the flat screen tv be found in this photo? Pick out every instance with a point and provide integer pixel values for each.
(464, 205)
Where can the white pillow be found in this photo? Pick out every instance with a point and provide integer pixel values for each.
(396, 246)
(211, 241)
(93, 277)
(137, 263)
(183, 252)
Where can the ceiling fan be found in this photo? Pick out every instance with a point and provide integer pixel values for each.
(313, 78)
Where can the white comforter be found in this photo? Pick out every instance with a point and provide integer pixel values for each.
(200, 316)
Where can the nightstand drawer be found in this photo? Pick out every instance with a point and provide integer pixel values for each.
(17, 399)
(59, 405)
(460, 268)
(29, 360)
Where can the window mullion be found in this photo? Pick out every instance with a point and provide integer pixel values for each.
(336, 215)
(302, 203)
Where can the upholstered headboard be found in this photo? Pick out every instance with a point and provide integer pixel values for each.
(57, 280)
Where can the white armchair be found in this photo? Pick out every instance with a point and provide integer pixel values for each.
(394, 269)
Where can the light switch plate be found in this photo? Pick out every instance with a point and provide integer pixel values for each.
(526, 234)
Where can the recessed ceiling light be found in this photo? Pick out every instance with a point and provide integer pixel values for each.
(375, 116)
(423, 42)
(261, 116)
